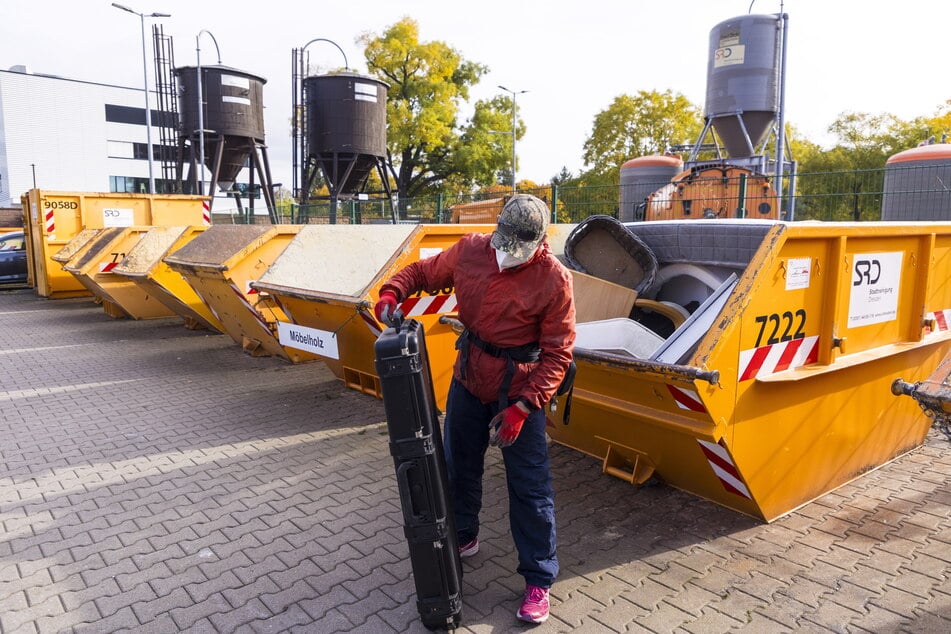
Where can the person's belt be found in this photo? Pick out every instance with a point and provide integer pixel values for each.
(527, 353)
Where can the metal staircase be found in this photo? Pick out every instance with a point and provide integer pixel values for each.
(167, 98)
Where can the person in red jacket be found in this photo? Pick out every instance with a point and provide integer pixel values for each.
(515, 301)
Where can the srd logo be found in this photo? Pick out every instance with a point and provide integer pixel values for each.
(867, 271)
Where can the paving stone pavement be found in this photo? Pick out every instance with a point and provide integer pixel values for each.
(157, 479)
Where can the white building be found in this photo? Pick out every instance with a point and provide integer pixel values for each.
(63, 134)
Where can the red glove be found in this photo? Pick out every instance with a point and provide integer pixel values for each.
(507, 424)
(385, 308)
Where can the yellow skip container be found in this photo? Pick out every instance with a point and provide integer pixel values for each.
(94, 265)
(54, 218)
(144, 266)
(329, 306)
(776, 388)
(220, 265)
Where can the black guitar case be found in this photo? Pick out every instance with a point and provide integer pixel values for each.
(416, 445)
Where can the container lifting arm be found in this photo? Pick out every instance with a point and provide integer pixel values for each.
(933, 395)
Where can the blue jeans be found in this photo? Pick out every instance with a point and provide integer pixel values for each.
(527, 472)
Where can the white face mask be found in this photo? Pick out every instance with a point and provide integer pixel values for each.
(507, 261)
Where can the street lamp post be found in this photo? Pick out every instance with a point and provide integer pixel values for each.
(201, 107)
(145, 77)
(300, 128)
(514, 111)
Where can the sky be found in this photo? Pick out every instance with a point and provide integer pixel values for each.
(573, 59)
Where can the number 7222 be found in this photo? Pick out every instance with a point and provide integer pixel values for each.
(780, 327)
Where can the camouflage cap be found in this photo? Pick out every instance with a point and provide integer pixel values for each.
(521, 226)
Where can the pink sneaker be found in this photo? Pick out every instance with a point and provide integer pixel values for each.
(469, 548)
(535, 605)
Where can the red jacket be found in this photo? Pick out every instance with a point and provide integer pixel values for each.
(529, 303)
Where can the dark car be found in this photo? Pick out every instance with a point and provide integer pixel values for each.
(12, 258)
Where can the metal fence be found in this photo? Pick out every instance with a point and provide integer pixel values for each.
(854, 196)
(920, 191)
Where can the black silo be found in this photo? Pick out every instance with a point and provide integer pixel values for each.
(233, 108)
(346, 127)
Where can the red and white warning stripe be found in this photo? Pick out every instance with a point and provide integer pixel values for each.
(206, 212)
(785, 355)
(942, 320)
(722, 465)
(413, 307)
(428, 305)
(106, 267)
(50, 222)
(686, 399)
(370, 321)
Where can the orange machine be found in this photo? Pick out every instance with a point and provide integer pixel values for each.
(714, 191)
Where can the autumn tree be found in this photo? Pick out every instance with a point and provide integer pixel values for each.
(428, 148)
(640, 125)
(939, 124)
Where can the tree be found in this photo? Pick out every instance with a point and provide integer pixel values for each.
(483, 155)
(283, 203)
(939, 124)
(846, 181)
(639, 125)
(870, 139)
(562, 177)
(428, 150)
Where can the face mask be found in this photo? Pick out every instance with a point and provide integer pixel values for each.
(507, 261)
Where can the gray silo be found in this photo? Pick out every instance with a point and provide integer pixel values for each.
(232, 119)
(344, 132)
(743, 80)
(918, 184)
(641, 177)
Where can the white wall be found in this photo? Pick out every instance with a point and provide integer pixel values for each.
(59, 126)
